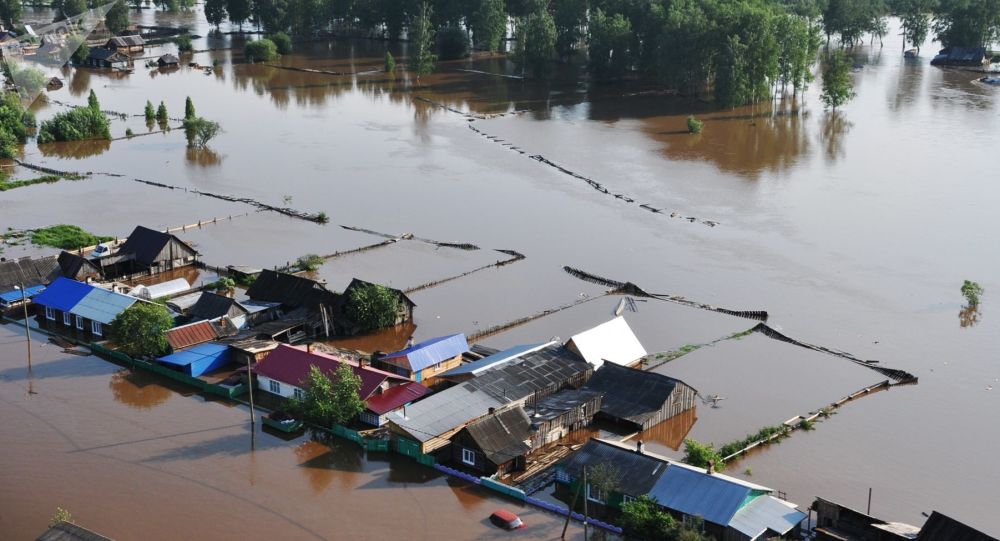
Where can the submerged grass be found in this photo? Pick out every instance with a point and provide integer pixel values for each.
(66, 237)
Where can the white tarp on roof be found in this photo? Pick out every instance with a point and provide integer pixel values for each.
(612, 341)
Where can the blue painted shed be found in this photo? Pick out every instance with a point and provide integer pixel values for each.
(12, 297)
(199, 360)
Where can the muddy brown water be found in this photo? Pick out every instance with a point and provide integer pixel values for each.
(852, 232)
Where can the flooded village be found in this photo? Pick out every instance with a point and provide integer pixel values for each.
(376, 302)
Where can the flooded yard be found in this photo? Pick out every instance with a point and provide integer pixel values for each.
(854, 233)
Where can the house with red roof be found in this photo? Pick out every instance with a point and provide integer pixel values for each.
(284, 371)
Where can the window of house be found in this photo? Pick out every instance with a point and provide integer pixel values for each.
(275, 387)
(95, 328)
(626, 498)
(67, 321)
(469, 457)
(50, 313)
(299, 393)
(79, 323)
(595, 494)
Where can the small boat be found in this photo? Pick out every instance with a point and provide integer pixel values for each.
(990, 80)
(506, 520)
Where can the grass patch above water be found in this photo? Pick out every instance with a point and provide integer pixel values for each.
(66, 237)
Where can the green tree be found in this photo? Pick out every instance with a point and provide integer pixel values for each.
(14, 124)
(238, 12)
(28, 80)
(61, 515)
(74, 125)
(215, 12)
(972, 291)
(643, 520)
(282, 42)
(838, 87)
(609, 41)
(184, 44)
(327, 401)
(200, 131)
(967, 23)
(390, 63)
(262, 50)
(116, 19)
(92, 101)
(694, 125)
(603, 478)
(536, 43)
(140, 330)
(10, 12)
(372, 306)
(422, 58)
(701, 454)
(569, 17)
(161, 113)
(914, 17)
(149, 111)
(189, 111)
(452, 43)
(489, 24)
(80, 49)
(309, 262)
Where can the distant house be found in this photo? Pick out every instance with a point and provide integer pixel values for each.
(612, 341)
(426, 360)
(106, 58)
(495, 444)
(430, 423)
(285, 370)
(79, 268)
(836, 522)
(350, 328)
(492, 359)
(168, 61)
(67, 531)
(212, 306)
(27, 271)
(126, 44)
(639, 398)
(291, 291)
(961, 56)
(147, 251)
(79, 310)
(732, 509)
(15, 297)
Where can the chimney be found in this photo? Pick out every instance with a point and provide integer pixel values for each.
(711, 467)
(638, 447)
(492, 411)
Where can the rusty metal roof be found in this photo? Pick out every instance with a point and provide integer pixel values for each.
(191, 335)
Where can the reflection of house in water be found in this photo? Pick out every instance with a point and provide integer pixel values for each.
(673, 431)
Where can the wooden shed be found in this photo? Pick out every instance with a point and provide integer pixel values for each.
(639, 398)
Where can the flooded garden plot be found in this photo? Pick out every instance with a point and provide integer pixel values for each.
(144, 448)
(764, 382)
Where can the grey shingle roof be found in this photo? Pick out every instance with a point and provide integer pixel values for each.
(502, 436)
(631, 394)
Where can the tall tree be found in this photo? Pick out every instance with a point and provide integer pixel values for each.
(329, 400)
(116, 19)
(608, 44)
(569, 17)
(536, 43)
(238, 12)
(838, 88)
(967, 23)
(10, 11)
(421, 60)
(914, 17)
(215, 12)
(489, 24)
(141, 329)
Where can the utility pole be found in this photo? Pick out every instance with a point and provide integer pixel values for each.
(585, 498)
(569, 512)
(253, 418)
(869, 500)
(27, 329)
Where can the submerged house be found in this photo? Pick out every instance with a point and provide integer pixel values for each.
(78, 267)
(612, 342)
(79, 310)
(430, 424)
(495, 444)
(168, 61)
(106, 58)
(639, 398)
(126, 44)
(147, 251)
(836, 522)
(555, 416)
(961, 56)
(732, 509)
(285, 370)
(348, 327)
(426, 360)
(246, 313)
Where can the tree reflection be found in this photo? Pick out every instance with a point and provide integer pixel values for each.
(203, 157)
(136, 390)
(75, 149)
(968, 316)
(835, 127)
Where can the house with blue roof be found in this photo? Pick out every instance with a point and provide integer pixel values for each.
(426, 361)
(732, 509)
(78, 310)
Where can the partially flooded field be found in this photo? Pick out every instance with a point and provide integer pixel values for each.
(853, 233)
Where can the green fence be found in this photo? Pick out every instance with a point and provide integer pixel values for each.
(225, 392)
(412, 449)
(377, 445)
(515, 493)
(347, 434)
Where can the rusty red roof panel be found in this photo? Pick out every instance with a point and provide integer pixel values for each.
(396, 397)
(191, 335)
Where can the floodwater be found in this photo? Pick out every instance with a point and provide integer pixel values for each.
(853, 231)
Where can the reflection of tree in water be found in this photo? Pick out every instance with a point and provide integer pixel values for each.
(325, 458)
(835, 127)
(968, 316)
(137, 390)
(736, 141)
(911, 75)
(203, 157)
(75, 149)
(79, 82)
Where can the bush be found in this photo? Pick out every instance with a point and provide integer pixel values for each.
(700, 454)
(140, 330)
(310, 262)
(184, 44)
(150, 111)
(129, 132)
(29, 81)
(189, 111)
(972, 291)
(14, 124)
(452, 43)
(66, 237)
(80, 49)
(282, 42)
(390, 63)
(262, 50)
(372, 306)
(694, 125)
(75, 125)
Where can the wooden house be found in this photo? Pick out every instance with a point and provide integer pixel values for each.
(106, 58)
(554, 417)
(27, 272)
(126, 44)
(80, 311)
(495, 444)
(147, 251)
(79, 268)
(429, 425)
(638, 398)
(168, 61)
(243, 314)
(424, 361)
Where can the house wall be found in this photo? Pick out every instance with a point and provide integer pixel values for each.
(461, 441)
(286, 390)
(681, 399)
(428, 376)
(58, 326)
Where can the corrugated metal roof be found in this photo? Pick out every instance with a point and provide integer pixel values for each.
(555, 405)
(66, 531)
(430, 352)
(184, 302)
(501, 437)
(28, 271)
(493, 360)
(396, 397)
(16, 295)
(630, 394)
(637, 473)
(212, 305)
(191, 335)
(102, 305)
(940, 527)
(290, 365)
(766, 513)
(199, 359)
(63, 294)
(612, 341)
(697, 493)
